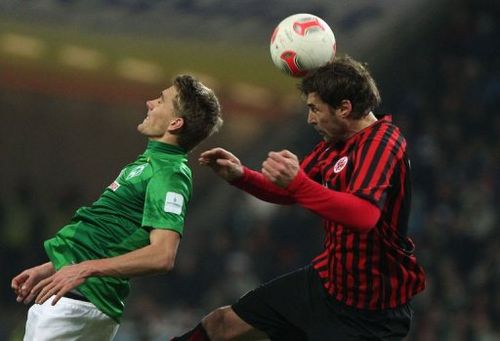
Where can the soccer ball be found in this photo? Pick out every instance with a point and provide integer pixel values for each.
(300, 43)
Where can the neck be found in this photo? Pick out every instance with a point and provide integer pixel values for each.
(169, 139)
(358, 125)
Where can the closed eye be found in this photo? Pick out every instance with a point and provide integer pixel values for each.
(312, 108)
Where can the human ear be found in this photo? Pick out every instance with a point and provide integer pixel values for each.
(176, 124)
(345, 108)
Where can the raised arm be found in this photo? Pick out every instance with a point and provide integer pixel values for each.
(282, 168)
(229, 167)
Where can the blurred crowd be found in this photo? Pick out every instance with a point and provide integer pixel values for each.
(444, 96)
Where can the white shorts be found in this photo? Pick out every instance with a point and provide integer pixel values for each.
(68, 320)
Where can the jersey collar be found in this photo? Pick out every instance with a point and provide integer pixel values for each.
(161, 147)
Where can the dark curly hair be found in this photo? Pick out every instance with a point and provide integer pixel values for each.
(343, 79)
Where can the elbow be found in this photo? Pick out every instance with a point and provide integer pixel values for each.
(363, 228)
(169, 266)
(367, 221)
(166, 264)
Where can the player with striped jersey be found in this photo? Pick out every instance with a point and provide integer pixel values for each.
(358, 180)
(133, 229)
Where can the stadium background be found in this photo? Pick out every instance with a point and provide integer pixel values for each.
(74, 76)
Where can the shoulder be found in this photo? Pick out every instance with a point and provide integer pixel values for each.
(384, 131)
(169, 169)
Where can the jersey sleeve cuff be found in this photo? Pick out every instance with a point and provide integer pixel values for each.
(297, 182)
(242, 179)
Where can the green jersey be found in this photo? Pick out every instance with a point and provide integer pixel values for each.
(151, 192)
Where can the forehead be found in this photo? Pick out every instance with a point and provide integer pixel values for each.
(314, 99)
(169, 92)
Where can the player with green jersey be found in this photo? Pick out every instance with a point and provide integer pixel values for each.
(133, 229)
(152, 191)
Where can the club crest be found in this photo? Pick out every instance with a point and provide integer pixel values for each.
(340, 165)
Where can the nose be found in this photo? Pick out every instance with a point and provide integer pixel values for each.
(311, 119)
(149, 104)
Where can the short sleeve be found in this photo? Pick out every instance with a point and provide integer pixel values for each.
(167, 196)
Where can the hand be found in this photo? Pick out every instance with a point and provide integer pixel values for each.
(23, 283)
(281, 167)
(223, 163)
(64, 280)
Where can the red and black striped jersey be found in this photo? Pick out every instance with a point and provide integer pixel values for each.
(364, 266)
(375, 269)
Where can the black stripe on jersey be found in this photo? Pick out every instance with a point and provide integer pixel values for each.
(333, 250)
(364, 151)
(343, 241)
(355, 262)
(419, 280)
(404, 281)
(392, 154)
(375, 160)
(402, 217)
(384, 286)
(368, 270)
(404, 212)
(311, 159)
(330, 246)
(401, 278)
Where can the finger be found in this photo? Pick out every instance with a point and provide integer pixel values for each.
(203, 161)
(223, 154)
(29, 297)
(206, 153)
(212, 155)
(27, 285)
(40, 290)
(45, 294)
(23, 292)
(273, 166)
(18, 280)
(21, 296)
(59, 294)
(214, 152)
(43, 283)
(225, 163)
(268, 176)
(288, 154)
(276, 156)
(56, 299)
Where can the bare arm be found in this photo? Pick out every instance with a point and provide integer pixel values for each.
(229, 167)
(157, 257)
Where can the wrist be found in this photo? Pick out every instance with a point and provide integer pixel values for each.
(47, 268)
(88, 268)
(296, 182)
(239, 176)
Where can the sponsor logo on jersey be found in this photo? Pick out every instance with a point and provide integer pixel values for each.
(173, 203)
(136, 171)
(340, 165)
(114, 186)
